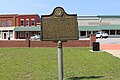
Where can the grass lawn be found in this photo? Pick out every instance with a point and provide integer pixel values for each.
(41, 64)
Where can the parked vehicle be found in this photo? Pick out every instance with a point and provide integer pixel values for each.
(101, 35)
(35, 37)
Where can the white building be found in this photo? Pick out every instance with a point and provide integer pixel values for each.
(91, 24)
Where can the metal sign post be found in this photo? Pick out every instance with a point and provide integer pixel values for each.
(60, 61)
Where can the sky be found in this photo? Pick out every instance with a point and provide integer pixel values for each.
(43, 7)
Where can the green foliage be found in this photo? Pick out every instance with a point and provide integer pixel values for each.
(42, 64)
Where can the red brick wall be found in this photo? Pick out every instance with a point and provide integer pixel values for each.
(10, 17)
(29, 16)
(92, 39)
(28, 43)
(77, 43)
(42, 44)
(74, 43)
(13, 43)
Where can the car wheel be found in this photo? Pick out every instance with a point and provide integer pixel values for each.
(106, 37)
(101, 36)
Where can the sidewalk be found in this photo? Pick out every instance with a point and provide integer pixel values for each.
(113, 49)
(115, 53)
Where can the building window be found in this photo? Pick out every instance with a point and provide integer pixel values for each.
(118, 32)
(22, 34)
(11, 34)
(21, 22)
(27, 22)
(112, 32)
(8, 23)
(1, 23)
(0, 35)
(32, 22)
(107, 31)
(82, 33)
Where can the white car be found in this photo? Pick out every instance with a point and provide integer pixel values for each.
(35, 37)
(101, 35)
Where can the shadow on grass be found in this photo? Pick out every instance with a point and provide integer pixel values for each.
(85, 77)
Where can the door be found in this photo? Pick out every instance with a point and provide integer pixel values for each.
(4, 35)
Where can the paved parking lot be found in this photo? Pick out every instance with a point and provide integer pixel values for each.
(110, 45)
(109, 41)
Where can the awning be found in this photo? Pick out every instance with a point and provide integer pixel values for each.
(110, 27)
(89, 28)
(6, 28)
(33, 28)
(98, 28)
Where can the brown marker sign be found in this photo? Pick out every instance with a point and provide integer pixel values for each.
(59, 26)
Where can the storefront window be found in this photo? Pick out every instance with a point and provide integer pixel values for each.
(88, 32)
(94, 32)
(112, 32)
(11, 34)
(118, 32)
(22, 34)
(107, 31)
(83, 33)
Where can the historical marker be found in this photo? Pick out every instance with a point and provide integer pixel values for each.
(59, 26)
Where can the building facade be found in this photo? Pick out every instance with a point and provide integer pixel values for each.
(91, 24)
(7, 24)
(14, 26)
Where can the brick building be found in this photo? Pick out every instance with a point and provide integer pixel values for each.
(18, 26)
